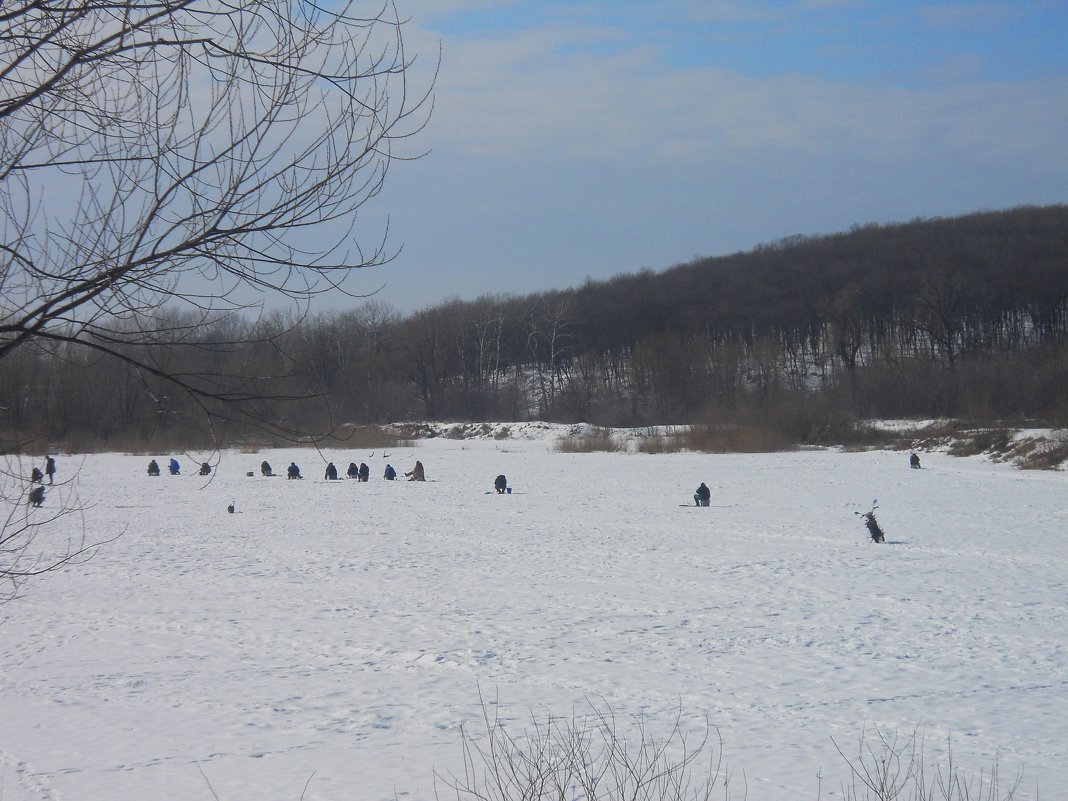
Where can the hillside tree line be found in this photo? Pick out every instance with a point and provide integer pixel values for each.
(962, 317)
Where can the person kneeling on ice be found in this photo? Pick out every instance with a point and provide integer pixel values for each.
(153, 468)
(36, 476)
(500, 484)
(173, 467)
(390, 473)
(37, 496)
(702, 496)
(365, 471)
(331, 472)
(353, 471)
(265, 468)
(293, 471)
(416, 473)
(205, 469)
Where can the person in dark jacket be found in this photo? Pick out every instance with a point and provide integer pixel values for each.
(153, 468)
(293, 471)
(702, 496)
(500, 484)
(416, 473)
(265, 468)
(50, 468)
(205, 469)
(37, 495)
(173, 467)
(331, 472)
(390, 474)
(353, 471)
(365, 471)
(914, 462)
(36, 476)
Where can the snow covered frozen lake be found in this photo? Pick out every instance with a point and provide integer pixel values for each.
(343, 632)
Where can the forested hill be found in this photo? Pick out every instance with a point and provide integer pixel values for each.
(963, 317)
(968, 283)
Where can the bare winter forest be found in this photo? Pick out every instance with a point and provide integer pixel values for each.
(964, 317)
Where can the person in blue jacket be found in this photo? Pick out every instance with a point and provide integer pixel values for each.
(353, 471)
(390, 473)
(702, 496)
(174, 468)
(293, 471)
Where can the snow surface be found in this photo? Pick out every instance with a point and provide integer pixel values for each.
(342, 632)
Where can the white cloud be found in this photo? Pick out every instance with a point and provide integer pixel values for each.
(734, 12)
(955, 16)
(431, 8)
(747, 11)
(820, 5)
(521, 98)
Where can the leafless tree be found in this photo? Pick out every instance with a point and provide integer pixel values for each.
(189, 154)
(892, 767)
(591, 756)
(548, 338)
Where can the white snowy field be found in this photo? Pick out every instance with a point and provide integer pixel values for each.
(342, 632)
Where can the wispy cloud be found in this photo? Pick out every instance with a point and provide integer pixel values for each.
(955, 16)
(510, 98)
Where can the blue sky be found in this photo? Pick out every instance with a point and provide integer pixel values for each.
(587, 139)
